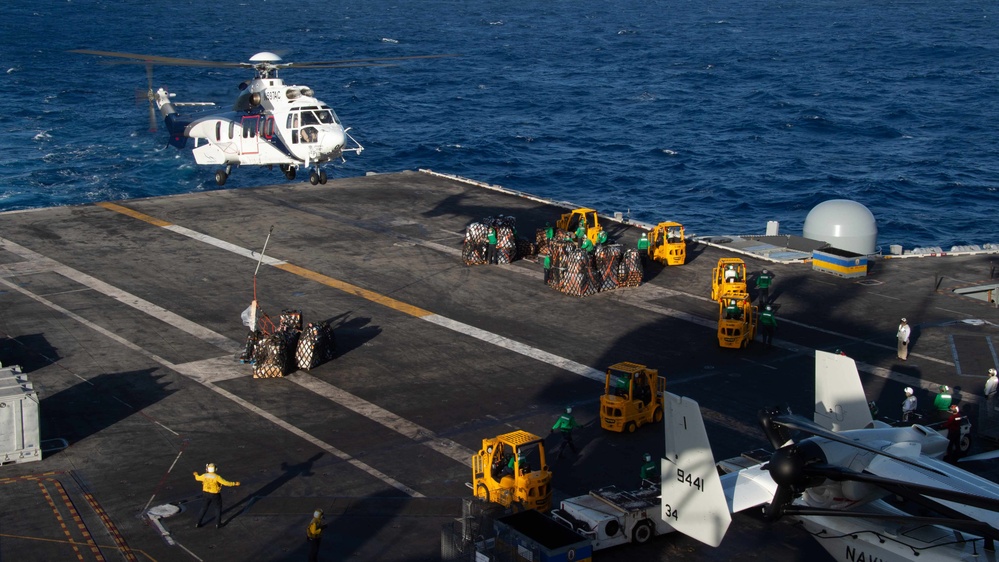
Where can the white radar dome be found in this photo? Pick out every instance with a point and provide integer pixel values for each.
(843, 224)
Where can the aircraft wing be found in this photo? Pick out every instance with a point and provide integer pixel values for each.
(748, 488)
(952, 479)
(840, 402)
(693, 501)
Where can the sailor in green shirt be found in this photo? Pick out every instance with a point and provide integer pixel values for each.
(768, 325)
(581, 229)
(643, 243)
(549, 231)
(586, 245)
(943, 399)
(732, 311)
(602, 237)
(564, 425)
(650, 470)
(491, 249)
(763, 281)
(546, 262)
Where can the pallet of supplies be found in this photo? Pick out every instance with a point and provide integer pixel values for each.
(315, 346)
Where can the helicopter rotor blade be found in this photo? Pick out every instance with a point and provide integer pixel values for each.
(361, 62)
(164, 61)
(149, 96)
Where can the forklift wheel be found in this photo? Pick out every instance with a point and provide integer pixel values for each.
(631, 427)
(482, 492)
(657, 416)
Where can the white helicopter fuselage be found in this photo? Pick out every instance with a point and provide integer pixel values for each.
(281, 125)
(270, 124)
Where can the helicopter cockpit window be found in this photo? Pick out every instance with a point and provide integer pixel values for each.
(332, 115)
(310, 135)
(293, 120)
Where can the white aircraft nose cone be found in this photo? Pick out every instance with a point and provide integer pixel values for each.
(332, 141)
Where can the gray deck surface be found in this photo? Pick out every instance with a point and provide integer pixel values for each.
(129, 329)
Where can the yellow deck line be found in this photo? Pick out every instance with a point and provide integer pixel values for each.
(297, 270)
(134, 214)
(355, 290)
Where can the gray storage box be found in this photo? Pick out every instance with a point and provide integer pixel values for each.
(19, 435)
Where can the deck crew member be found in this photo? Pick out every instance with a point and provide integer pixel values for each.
(991, 386)
(763, 281)
(211, 488)
(650, 470)
(909, 405)
(314, 534)
(903, 339)
(564, 425)
(491, 248)
(768, 325)
(943, 399)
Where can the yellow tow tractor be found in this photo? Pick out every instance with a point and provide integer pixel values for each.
(728, 278)
(570, 222)
(737, 319)
(510, 470)
(633, 396)
(667, 245)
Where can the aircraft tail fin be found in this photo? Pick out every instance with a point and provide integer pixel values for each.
(693, 501)
(840, 402)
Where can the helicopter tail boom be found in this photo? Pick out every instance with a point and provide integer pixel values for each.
(175, 125)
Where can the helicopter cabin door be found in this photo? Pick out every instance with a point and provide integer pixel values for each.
(249, 147)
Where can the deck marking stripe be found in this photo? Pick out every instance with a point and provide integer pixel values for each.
(516, 346)
(132, 213)
(376, 413)
(317, 442)
(953, 351)
(222, 244)
(194, 376)
(992, 348)
(355, 290)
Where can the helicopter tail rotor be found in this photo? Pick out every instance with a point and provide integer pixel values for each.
(151, 97)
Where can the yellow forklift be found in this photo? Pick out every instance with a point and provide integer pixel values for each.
(667, 245)
(633, 396)
(737, 320)
(728, 278)
(511, 470)
(570, 223)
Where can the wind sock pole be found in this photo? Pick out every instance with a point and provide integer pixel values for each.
(250, 318)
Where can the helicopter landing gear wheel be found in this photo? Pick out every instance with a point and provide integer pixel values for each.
(289, 173)
(322, 177)
(220, 177)
(314, 178)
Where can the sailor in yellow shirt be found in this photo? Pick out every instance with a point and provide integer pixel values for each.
(314, 534)
(211, 488)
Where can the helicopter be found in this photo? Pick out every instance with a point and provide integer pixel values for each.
(841, 481)
(270, 123)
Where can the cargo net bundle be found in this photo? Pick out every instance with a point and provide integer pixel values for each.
(543, 244)
(578, 273)
(476, 248)
(288, 348)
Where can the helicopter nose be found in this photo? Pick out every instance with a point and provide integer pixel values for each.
(332, 141)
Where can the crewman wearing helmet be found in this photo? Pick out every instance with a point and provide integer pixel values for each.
(314, 534)
(908, 405)
(211, 488)
(564, 425)
(943, 399)
(650, 470)
(991, 386)
(953, 425)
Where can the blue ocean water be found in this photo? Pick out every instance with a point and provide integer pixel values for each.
(721, 114)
